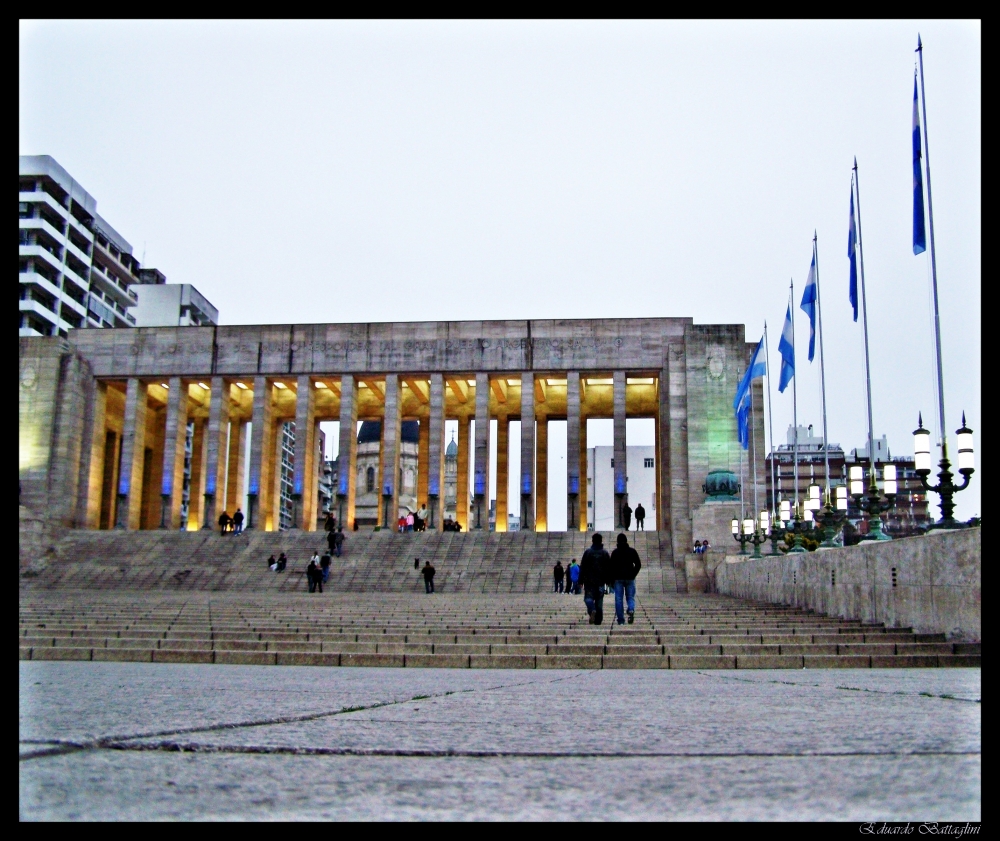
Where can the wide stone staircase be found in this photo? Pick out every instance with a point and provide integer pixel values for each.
(383, 561)
(456, 630)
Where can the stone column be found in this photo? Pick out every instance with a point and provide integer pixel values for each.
(389, 485)
(172, 485)
(620, 456)
(462, 480)
(89, 498)
(572, 450)
(584, 489)
(676, 434)
(423, 463)
(527, 450)
(261, 448)
(435, 454)
(133, 453)
(503, 476)
(542, 475)
(237, 456)
(663, 451)
(348, 452)
(305, 455)
(196, 490)
(218, 433)
(481, 465)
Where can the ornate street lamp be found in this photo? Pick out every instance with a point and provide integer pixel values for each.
(830, 517)
(945, 487)
(873, 504)
(749, 532)
(778, 530)
(739, 536)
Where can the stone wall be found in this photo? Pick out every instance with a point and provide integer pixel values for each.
(932, 583)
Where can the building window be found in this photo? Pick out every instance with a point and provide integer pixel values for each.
(647, 462)
(590, 503)
(370, 480)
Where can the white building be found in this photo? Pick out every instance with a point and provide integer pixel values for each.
(162, 304)
(641, 476)
(74, 269)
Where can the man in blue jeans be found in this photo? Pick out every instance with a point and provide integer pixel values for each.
(625, 565)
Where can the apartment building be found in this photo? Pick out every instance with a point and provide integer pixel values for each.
(74, 269)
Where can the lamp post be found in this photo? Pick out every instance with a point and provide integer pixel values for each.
(777, 530)
(831, 516)
(740, 536)
(945, 487)
(872, 503)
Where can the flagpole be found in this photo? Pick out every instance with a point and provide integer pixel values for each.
(770, 424)
(753, 457)
(822, 369)
(795, 393)
(864, 312)
(742, 483)
(930, 216)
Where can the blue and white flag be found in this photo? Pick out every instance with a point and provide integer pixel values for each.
(786, 347)
(757, 368)
(852, 247)
(810, 295)
(741, 403)
(919, 240)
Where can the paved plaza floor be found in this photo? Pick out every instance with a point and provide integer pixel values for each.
(141, 741)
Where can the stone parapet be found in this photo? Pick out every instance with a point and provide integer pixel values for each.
(931, 583)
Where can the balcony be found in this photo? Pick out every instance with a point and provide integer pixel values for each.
(112, 287)
(42, 253)
(39, 309)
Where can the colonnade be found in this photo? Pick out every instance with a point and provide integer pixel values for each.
(153, 419)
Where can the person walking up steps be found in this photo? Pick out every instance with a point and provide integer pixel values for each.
(324, 566)
(338, 541)
(238, 522)
(625, 565)
(313, 577)
(573, 578)
(428, 573)
(557, 575)
(594, 573)
(640, 518)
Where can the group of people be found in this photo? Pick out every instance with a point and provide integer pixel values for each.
(566, 580)
(413, 520)
(701, 547)
(599, 573)
(451, 525)
(231, 525)
(318, 571)
(640, 517)
(279, 564)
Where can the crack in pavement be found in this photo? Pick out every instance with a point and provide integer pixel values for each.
(944, 697)
(119, 742)
(195, 747)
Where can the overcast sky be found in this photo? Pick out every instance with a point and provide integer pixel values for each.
(315, 172)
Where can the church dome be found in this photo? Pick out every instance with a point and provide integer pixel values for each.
(371, 432)
(452, 448)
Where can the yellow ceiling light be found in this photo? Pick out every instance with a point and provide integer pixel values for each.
(513, 382)
(241, 385)
(280, 385)
(202, 385)
(164, 385)
(640, 380)
(321, 385)
(555, 382)
(471, 382)
(601, 381)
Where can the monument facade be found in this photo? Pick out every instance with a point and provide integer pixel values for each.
(103, 415)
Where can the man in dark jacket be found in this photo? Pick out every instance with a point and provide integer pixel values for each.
(626, 516)
(557, 575)
(640, 518)
(625, 565)
(594, 574)
(428, 573)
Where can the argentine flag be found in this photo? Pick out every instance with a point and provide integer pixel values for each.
(852, 246)
(810, 295)
(741, 403)
(919, 240)
(786, 347)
